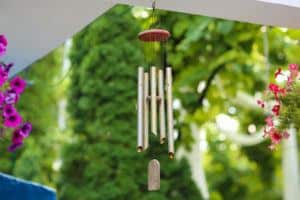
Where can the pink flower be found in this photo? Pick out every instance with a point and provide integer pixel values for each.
(261, 103)
(2, 49)
(17, 141)
(293, 67)
(270, 130)
(276, 90)
(9, 110)
(3, 45)
(26, 129)
(269, 121)
(17, 137)
(14, 146)
(11, 97)
(2, 97)
(3, 76)
(18, 84)
(276, 109)
(273, 87)
(13, 120)
(278, 72)
(3, 40)
(275, 137)
(8, 67)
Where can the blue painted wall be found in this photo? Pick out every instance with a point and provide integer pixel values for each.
(12, 188)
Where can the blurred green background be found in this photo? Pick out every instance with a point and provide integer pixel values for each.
(84, 112)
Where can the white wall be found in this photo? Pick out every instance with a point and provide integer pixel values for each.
(36, 27)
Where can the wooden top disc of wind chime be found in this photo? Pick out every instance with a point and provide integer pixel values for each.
(154, 35)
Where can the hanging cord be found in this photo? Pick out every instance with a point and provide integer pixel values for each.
(164, 61)
(153, 26)
(156, 23)
(155, 20)
(151, 45)
(153, 14)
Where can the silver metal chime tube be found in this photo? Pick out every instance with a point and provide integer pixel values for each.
(153, 92)
(140, 110)
(153, 101)
(146, 110)
(162, 120)
(170, 111)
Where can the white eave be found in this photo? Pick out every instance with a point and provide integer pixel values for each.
(36, 27)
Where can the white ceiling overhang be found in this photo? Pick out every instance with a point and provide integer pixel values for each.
(36, 27)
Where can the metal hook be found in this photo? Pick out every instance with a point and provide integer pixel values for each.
(153, 4)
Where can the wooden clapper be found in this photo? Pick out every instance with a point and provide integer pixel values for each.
(153, 175)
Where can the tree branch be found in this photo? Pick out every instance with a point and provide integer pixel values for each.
(209, 82)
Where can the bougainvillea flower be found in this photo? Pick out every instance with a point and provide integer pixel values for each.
(18, 84)
(276, 137)
(261, 103)
(9, 110)
(14, 146)
(276, 109)
(11, 97)
(3, 76)
(13, 121)
(3, 45)
(26, 129)
(269, 121)
(278, 72)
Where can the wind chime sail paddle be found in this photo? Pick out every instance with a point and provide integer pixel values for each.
(154, 107)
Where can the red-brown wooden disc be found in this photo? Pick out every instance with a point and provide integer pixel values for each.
(154, 35)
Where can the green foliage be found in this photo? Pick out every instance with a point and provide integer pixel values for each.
(101, 161)
(290, 112)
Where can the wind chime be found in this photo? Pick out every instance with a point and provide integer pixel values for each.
(154, 107)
